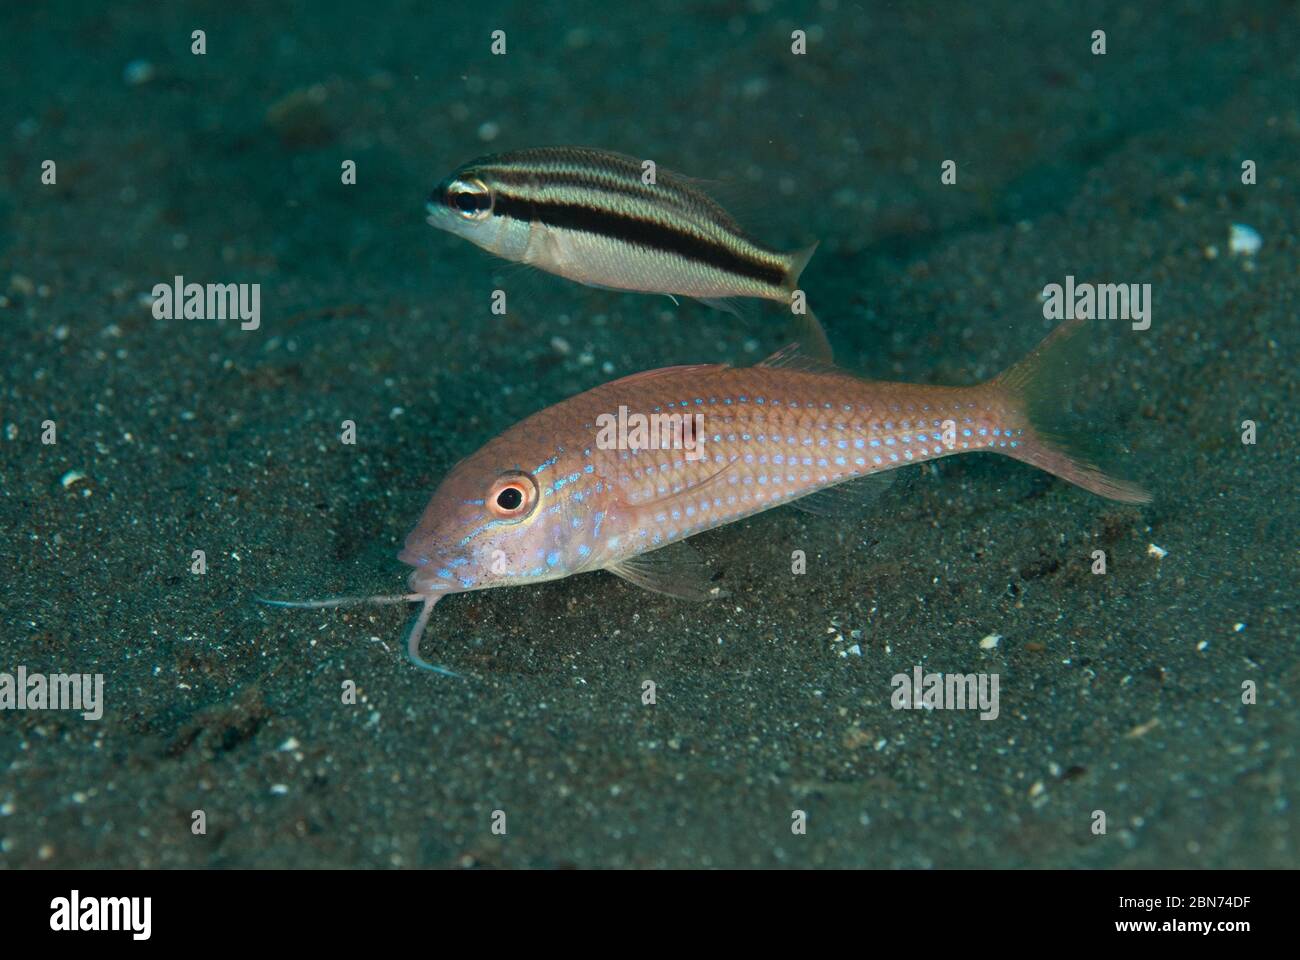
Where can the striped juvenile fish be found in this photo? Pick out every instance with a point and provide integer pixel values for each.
(562, 493)
(589, 215)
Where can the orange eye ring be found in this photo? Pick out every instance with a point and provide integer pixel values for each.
(512, 496)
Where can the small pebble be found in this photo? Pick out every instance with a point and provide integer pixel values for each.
(1243, 241)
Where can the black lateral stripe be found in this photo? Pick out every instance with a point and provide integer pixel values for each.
(641, 232)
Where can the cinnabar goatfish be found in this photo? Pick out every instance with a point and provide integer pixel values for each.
(602, 482)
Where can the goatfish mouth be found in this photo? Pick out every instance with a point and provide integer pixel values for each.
(609, 220)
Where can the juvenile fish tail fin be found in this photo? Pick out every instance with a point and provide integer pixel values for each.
(1037, 388)
(795, 263)
(805, 328)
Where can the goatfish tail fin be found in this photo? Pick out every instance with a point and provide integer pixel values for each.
(1036, 391)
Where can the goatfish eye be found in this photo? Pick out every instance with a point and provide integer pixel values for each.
(470, 197)
(512, 496)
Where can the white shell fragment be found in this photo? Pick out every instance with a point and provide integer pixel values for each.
(1243, 241)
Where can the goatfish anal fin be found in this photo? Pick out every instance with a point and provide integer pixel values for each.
(847, 500)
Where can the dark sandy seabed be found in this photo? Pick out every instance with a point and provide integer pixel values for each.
(1119, 693)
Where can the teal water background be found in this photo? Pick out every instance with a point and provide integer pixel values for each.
(1120, 693)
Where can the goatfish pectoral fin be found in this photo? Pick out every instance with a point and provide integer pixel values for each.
(676, 570)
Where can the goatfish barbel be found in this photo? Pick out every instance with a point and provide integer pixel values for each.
(561, 493)
(606, 220)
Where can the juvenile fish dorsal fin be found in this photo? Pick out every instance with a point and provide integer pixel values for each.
(849, 499)
(675, 570)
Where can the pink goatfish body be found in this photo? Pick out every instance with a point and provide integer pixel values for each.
(585, 485)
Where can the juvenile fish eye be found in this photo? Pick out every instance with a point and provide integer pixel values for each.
(471, 199)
